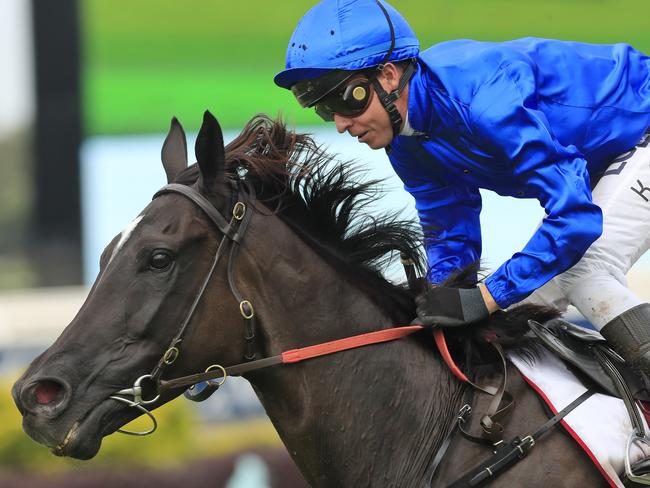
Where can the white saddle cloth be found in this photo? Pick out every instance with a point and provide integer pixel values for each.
(601, 425)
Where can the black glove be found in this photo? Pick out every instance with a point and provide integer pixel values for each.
(450, 307)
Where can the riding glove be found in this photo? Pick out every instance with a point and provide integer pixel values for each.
(450, 307)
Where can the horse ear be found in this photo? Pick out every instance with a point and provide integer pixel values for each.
(209, 150)
(174, 151)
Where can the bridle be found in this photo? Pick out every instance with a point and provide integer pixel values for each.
(233, 231)
(215, 375)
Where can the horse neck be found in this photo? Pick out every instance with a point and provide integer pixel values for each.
(373, 416)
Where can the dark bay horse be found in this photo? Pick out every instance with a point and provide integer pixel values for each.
(307, 267)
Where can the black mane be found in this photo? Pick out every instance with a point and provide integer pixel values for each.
(323, 200)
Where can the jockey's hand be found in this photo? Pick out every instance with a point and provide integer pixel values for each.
(443, 306)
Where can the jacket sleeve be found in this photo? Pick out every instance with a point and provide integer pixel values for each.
(508, 124)
(449, 216)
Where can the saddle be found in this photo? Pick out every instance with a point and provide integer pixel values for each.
(577, 346)
(587, 352)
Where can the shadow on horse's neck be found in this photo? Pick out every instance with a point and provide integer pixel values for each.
(373, 416)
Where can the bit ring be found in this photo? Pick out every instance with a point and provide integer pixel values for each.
(217, 382)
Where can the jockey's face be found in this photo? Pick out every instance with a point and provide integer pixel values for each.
(373, 126)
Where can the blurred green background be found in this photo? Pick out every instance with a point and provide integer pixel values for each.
(146, 60)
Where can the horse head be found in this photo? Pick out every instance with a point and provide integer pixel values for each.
(129, 324)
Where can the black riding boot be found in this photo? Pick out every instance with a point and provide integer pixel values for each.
(629, 335)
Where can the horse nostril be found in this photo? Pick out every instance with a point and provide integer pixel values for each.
(47, 396)
(47, 391)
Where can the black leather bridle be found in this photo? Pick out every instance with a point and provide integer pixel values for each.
(233, 231)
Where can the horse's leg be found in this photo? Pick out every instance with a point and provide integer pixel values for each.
(555, 461)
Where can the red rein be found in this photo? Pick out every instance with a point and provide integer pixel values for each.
(386, 335)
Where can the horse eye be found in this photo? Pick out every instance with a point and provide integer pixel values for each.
(160, 260)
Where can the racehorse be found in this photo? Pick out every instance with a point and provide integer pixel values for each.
(184, 288)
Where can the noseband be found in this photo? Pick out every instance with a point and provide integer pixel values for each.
(233, 233)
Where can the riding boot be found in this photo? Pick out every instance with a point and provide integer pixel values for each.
(629, 335)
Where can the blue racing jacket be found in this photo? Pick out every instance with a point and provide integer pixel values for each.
(530, 118)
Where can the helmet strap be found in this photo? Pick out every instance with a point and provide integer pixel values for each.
(388, 99)
(392, 36)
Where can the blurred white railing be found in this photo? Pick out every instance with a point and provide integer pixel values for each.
(36, 317)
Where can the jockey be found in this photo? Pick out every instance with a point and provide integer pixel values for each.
(565, 123)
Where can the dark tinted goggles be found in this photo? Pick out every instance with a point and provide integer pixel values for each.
(349, 100)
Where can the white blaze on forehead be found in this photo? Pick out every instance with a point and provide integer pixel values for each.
(126, 233)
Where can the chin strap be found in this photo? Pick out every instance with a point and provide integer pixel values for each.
(388, 99)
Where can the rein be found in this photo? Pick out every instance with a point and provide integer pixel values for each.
(294, 356)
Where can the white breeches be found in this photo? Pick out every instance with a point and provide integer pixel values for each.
(596, 285)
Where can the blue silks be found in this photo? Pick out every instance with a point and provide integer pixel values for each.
(529, 118)
(334, 34)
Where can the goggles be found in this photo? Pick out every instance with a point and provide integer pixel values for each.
(338, 92)
(349, 100)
